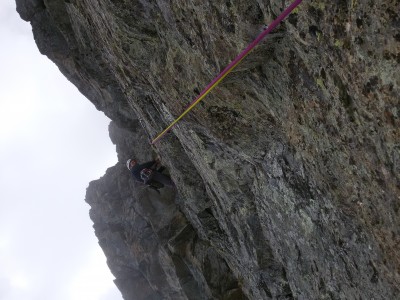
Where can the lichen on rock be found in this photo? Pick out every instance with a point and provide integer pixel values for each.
(287, 173)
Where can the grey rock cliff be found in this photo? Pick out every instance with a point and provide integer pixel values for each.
(287, 173)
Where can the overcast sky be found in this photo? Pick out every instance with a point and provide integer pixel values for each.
(52, 143)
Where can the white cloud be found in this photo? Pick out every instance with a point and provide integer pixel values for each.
(18, 88)
(52, 143)
(20, 281)
(90, 283)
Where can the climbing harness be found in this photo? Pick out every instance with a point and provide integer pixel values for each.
(231, 66)
(146, 175)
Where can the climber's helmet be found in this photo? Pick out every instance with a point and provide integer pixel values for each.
(130, 163)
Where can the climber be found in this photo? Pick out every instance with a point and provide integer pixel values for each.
(149, 173)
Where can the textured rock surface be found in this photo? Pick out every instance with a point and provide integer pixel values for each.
(287, 174)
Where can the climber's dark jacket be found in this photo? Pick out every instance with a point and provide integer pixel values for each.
(138, 168)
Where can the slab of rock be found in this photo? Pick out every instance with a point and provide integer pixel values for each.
(287, 174)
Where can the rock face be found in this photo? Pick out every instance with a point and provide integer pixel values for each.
(287, 173)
